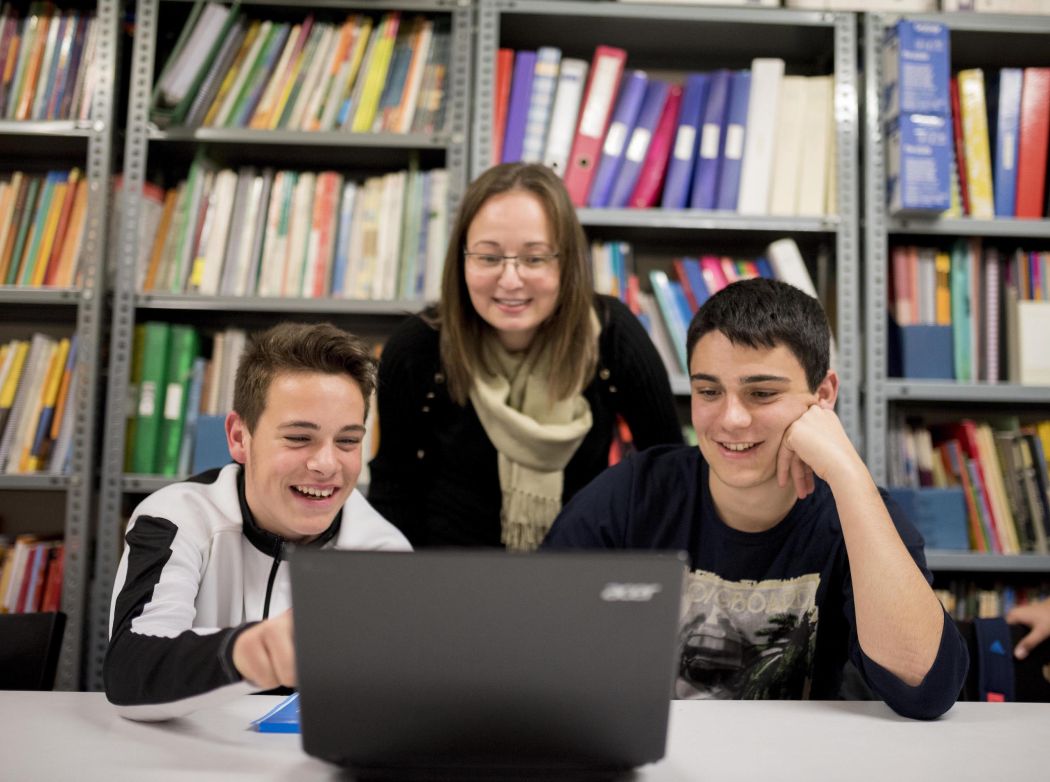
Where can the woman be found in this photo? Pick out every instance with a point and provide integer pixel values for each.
(499, 405)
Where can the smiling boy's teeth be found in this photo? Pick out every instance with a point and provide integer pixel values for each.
(738, 446)
(314, 492)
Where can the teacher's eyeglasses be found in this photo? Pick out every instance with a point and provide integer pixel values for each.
(528, 266)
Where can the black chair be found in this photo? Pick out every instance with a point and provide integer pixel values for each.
(29, 647)
(1031, 676)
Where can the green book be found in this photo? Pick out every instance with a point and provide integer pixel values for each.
(151, 397)
(166, 112)
(36, 236)
(134, 379)
(182, 350)
(28, 213)
(959, 280)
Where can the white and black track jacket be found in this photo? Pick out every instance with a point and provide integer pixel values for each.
(196, 571)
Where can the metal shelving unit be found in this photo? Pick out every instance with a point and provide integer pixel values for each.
(977, 40)
(683, 38)
(90, 144)
(353, 151)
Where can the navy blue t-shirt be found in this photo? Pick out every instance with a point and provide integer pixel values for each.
(768, 614)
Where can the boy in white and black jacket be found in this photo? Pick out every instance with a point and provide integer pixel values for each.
(799, 562)
(201, 604)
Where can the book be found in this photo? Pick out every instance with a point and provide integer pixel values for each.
(1007, 116)
(518, 108)
(817, 127)
(603, 80)
(788, 148)
(571, 78)
(654, 167)
(975, 142)
(763, 109)
(183, 344)
(544, 80)
(282, 718)
(375, 74)
(656, 93)
(704, 193)
(1033, 324)
(732, 155)
(1033, 134)
(672, 317)
(633, 90)
(151, 397)
(501, 101)
(683, 154)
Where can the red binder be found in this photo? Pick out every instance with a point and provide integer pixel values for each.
(603, 81)
(1031, 147)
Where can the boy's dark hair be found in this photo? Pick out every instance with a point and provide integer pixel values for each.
(766, 313)
(298, 347)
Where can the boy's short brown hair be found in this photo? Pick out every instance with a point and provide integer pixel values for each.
(298, 347)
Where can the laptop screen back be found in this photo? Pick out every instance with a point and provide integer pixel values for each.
(476, 658)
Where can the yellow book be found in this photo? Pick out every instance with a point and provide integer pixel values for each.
(375, 77)
(231, 75)
(52, 381)
(350, 70)
(1043, 430)
(975, 143)
(58, 199)
(943, 265)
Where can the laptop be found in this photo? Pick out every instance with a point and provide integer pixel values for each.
(486, 664)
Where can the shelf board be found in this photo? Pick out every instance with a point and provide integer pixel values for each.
(948, 391)
(35, 482)
(14, 294)
(50, 128)
(988, 23)
(968, 226)
(291, 137)
(145, 484)
(970, 561)
(195, 302)
(704, 220)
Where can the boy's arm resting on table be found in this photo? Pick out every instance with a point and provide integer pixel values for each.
(157, 663)
(901, 627)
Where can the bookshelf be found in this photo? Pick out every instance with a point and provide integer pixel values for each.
(976, 41)
(149, 148)
(665, 40)
(34, 145)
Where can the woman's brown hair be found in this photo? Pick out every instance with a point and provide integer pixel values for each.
(566, 332)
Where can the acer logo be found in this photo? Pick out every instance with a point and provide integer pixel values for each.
(615, 592)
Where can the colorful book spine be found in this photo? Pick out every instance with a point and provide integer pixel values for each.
(628, 106)
(732, 156)
(638, 145)
(705, 177)
(683, 154)
(518, 109)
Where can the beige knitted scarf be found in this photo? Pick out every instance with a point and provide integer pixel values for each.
(535, 437)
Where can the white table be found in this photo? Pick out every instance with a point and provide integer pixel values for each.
(77, 736)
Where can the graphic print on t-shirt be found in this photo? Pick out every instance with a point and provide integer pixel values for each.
(747, 639)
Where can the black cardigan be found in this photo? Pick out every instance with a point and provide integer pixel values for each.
(435, 475)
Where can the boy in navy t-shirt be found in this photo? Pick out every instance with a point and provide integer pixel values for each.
(799, 562)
